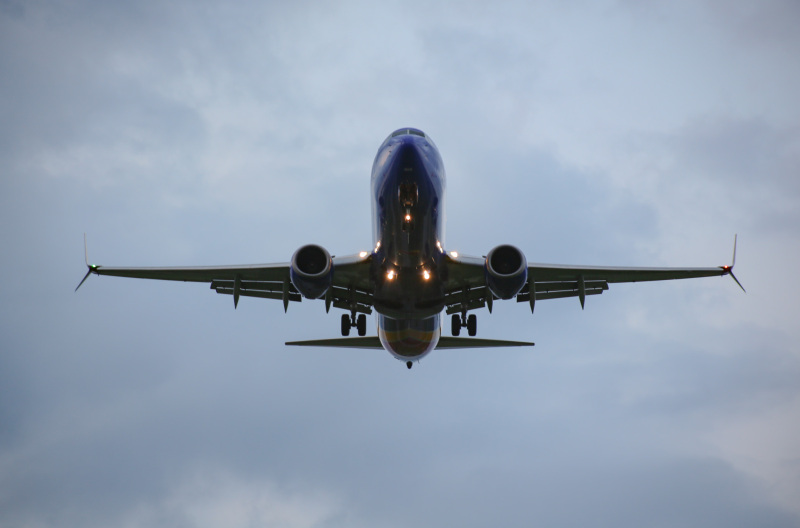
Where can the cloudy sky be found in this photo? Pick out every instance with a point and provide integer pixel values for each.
(202, 133)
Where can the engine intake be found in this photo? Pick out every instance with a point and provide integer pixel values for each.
(311, 271)
(506, 271)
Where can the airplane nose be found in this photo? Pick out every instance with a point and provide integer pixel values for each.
(408, 157)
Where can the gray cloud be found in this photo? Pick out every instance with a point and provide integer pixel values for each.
(202, 134)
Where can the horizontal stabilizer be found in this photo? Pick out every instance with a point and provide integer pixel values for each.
(471, 342)
(374, 342)
(341, 342)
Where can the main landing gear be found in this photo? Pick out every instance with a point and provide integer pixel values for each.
(351, 321)
(461, 321)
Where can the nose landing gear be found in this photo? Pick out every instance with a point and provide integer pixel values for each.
(409, 364)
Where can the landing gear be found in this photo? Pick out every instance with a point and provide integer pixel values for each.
(351, 321)
(409, 364)
(460, 321)
(472, 325)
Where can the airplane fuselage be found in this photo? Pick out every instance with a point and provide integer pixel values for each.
(408, 187)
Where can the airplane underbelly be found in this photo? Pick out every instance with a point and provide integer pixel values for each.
(409, 338)
(407, 297)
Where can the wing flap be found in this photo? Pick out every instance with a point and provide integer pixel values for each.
(359, 308)
(252, 285)
(473, 298)
(351, 294)
(294, 297)
(256, 272)
(562, 289)
(524, 297)
(551, 272)
(458, 306)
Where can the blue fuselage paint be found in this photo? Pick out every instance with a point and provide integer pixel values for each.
(408, 187)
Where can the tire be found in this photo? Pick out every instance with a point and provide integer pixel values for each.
(362, 325)
(455, 327)
(345, 325)
(472, 325)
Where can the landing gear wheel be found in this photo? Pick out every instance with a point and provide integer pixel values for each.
(455, 327)
(345, 325)
(409, 364)
(362, 325)
(472, 325)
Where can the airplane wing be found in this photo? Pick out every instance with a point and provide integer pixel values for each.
(351, 286)
(547, 281)
(466, 287)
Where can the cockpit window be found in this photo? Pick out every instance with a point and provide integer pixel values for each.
(404, 131)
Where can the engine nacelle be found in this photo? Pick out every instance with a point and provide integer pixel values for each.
(311, 271)
(506, 271)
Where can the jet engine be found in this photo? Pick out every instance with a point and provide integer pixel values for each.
(506, 271)
(311, 271)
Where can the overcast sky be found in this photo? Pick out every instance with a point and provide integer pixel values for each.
(202, 133)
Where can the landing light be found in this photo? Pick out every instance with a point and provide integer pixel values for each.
(391, 275)
(408, 218)
(426, 274)
(454, 254)
(363, 254)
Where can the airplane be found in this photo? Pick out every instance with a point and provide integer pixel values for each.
(409, 278)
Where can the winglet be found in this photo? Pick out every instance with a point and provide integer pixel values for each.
(91, 267)
(729, 269)
(84, 279)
